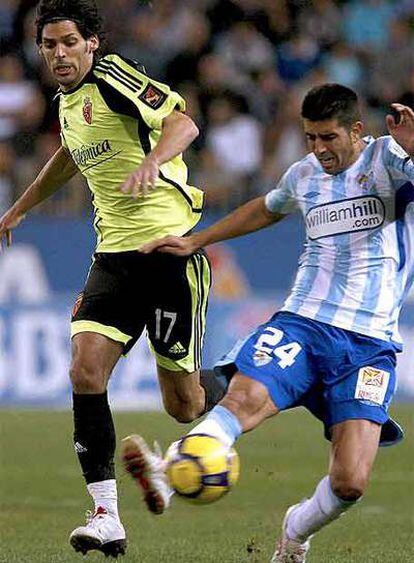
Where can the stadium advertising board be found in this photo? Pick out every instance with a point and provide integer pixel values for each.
(34, 326)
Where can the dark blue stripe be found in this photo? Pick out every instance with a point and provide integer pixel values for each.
(403, 197)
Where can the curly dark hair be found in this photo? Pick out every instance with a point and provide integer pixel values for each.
(330, 101)
(83, 12)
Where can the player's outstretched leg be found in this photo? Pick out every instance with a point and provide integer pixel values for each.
(147, 468)
(103, 531)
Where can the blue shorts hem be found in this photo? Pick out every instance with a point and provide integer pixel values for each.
(354, 410)
(280, 396)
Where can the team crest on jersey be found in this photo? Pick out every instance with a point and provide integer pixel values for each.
(77, 304)
(87, 110)
(153, 96)
(366, 181)
(372, 385)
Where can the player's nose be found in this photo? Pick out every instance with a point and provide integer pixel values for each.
(319, 146)
(60, 51)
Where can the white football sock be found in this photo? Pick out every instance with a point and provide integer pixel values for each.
(315, 513)
(220, 423)
(104, 493)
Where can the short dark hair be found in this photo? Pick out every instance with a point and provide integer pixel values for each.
(331, 101)
(84, 13)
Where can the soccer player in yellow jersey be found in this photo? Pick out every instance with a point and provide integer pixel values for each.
(125, 133)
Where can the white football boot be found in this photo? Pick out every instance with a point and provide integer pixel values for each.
(287, 550)
(147, 468)
(103, 532)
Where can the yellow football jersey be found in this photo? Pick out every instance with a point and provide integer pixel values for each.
(109, 122)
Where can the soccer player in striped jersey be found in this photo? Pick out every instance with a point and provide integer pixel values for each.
(332, 348)
(125, 133)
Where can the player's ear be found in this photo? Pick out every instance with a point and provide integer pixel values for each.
(356, 131)
(93, 43)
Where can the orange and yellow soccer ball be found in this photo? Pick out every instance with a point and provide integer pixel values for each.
(201, 469)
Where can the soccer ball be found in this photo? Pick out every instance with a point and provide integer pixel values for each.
(201, 469)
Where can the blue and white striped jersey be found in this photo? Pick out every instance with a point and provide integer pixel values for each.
(358, 262)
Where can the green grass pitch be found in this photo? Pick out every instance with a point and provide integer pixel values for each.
(43, 497)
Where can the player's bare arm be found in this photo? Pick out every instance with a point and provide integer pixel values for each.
(58, 170)
(250, 217)
(178, 132)
(403, 131)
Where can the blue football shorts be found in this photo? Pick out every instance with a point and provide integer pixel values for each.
(335, 373)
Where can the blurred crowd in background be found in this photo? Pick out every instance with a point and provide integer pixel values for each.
(243, 67)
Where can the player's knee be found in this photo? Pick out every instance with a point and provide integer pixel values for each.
(238, 400)
(86, 378)
(349, 487)
(182, 414)
(182, 411)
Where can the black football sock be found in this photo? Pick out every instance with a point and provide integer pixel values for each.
(94, 436)
(213, 388)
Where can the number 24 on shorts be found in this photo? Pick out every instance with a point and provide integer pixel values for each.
(268, 344)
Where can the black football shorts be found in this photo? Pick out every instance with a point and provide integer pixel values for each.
(126, 292)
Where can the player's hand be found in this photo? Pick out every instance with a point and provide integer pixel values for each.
(142, 179)
(180, 246)
(9, 221)
(403, 131)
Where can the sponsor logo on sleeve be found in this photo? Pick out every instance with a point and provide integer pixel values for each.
(153, 96)
(345, 216)
(372, 385)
